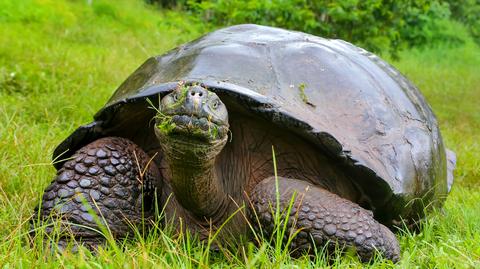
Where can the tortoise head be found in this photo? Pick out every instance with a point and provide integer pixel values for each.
(192, 120)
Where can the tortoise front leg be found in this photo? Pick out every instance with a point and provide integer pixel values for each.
(110, 178)
(323, 218)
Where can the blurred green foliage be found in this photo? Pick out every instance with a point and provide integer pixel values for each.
(468, 13)
(377, 25)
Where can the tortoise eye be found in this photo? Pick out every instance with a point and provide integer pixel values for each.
(175, 97)
(215, 104)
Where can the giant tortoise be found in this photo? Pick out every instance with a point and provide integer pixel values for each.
(247, 120)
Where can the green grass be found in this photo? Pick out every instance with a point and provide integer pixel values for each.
(61, 60)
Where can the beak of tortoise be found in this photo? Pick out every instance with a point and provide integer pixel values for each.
(192, 112)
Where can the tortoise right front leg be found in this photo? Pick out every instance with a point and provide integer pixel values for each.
(109, 177)
(322, 218)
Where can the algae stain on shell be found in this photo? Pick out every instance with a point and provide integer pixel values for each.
(303, 95)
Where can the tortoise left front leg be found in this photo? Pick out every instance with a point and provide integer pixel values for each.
(108, 183)
(322, 217)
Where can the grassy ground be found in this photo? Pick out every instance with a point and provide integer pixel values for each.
(61, 60)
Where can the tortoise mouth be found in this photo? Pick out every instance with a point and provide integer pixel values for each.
(191, 128)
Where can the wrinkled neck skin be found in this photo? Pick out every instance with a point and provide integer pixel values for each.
(194, 180)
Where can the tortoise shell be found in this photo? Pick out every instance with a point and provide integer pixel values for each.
(353, 106)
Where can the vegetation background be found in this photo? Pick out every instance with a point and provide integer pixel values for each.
(60, 60)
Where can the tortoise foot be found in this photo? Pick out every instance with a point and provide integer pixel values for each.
(324, 220)
(107, 187)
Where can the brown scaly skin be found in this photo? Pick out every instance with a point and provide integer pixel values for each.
(192, 126)
(322, 218)
(105, 175)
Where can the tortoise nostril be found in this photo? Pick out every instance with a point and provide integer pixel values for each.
(196, 92)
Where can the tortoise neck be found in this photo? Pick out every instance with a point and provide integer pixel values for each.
(198, 188)
(195, 181)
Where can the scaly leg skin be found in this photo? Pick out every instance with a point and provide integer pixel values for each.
(104, 176)
(323, 218)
